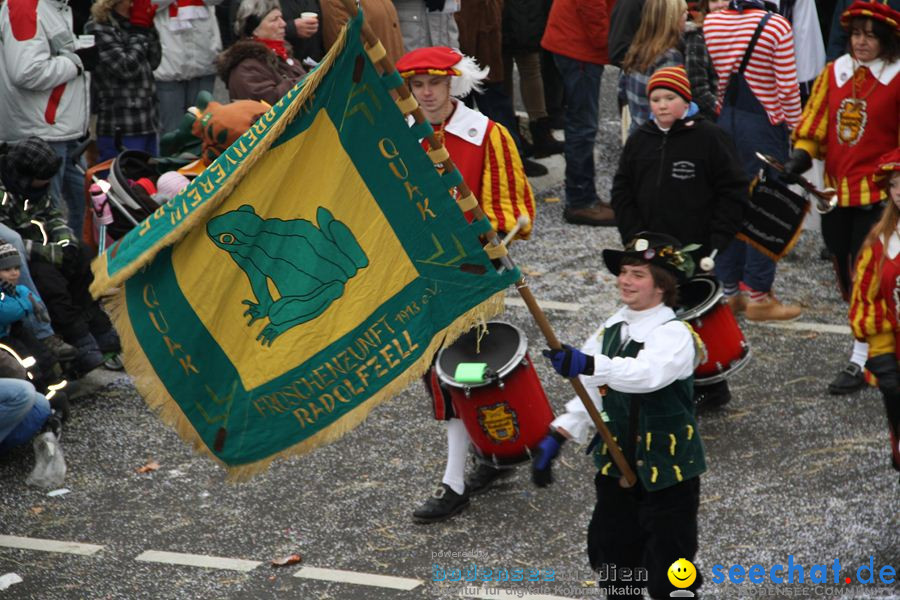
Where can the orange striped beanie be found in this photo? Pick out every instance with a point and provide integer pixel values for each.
(671, 78)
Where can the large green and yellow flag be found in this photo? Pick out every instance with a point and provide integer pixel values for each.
(308, 274)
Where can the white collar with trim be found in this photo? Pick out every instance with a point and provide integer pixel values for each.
(465, 123)
(641, 322)
(845, 66)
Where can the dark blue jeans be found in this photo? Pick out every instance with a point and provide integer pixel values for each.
(581, 81)
(752, 132)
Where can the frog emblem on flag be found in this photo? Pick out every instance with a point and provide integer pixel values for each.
(307, 265)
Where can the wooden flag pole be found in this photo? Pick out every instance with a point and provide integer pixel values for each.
(374, 47)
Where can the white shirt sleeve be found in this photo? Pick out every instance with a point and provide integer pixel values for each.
(667, 355)
(576, 421)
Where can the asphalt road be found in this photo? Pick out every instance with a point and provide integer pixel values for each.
(792, 472)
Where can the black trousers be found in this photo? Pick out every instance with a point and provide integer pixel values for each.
(844, 231)
(64, 290)
(635, 528)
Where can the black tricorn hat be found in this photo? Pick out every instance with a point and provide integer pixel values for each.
(657, 249)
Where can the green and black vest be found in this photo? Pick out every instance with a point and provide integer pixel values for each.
(665, 447)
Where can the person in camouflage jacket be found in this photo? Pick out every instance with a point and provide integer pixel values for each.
(59, 262)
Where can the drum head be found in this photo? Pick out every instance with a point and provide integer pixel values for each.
(697, 296)
(502, 348)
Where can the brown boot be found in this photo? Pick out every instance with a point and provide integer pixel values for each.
(599, 215)
(771, 309)
(738, 303)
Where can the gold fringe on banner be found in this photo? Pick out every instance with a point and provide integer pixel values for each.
(158, 399)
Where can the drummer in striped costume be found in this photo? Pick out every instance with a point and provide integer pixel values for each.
(486, 156)
(851, 119)
(482, 150)
(875, 303)
(645, 357)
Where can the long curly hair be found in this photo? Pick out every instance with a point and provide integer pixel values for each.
(660, 30)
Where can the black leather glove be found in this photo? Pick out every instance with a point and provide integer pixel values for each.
(884, 367)
(89, 57)
(799, 162)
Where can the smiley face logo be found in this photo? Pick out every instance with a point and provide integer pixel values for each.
(682, 573)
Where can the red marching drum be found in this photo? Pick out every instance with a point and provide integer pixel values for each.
(507, 414)
(702, 305)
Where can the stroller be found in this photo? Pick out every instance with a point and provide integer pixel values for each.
(126, 197)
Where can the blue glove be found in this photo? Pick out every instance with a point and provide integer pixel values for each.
(570, 362)
(542, 458)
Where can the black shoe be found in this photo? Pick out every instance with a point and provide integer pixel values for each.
(108, 342)
(483, 476)
(599, 215)
(533, 169)
(442, 505)
(59, 403)
(849, 380)
(712, 396)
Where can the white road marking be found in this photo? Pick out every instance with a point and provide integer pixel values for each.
(807, 326)
(494, 593)
(382, 581)
(198, 560)
(545, 304)
(24, 543)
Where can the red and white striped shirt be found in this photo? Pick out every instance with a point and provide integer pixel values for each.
(772, 70)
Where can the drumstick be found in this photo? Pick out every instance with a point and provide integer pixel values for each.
(628, 478)
(708, 263)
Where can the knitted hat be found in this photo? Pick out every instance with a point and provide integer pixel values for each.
(464, 72)
(31, 158)
(169, 185)
(655, 248)
(9, 257)
(888, 166)
(872, 10)
(250, 14)
(671, 78)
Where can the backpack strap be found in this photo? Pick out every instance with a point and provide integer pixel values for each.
(753, 40)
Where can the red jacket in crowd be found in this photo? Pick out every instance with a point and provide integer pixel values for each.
(578, 29)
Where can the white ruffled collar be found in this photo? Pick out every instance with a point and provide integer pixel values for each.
(641, 322)
(845, 66)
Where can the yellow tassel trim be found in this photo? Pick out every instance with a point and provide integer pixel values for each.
(672, 445)
(649, 437)
(495, 252)
(376, 52)
(467, 203)
(604, 449)
(654, 473)
(605, 469)
(158, 399)
(438, 156)
(407, 105)
(690, 431)
(678, 475)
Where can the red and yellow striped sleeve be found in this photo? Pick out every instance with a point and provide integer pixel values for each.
(812, 131)
(505, 191)
(868, 310)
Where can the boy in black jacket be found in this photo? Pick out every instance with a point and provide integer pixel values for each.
(679, 175)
